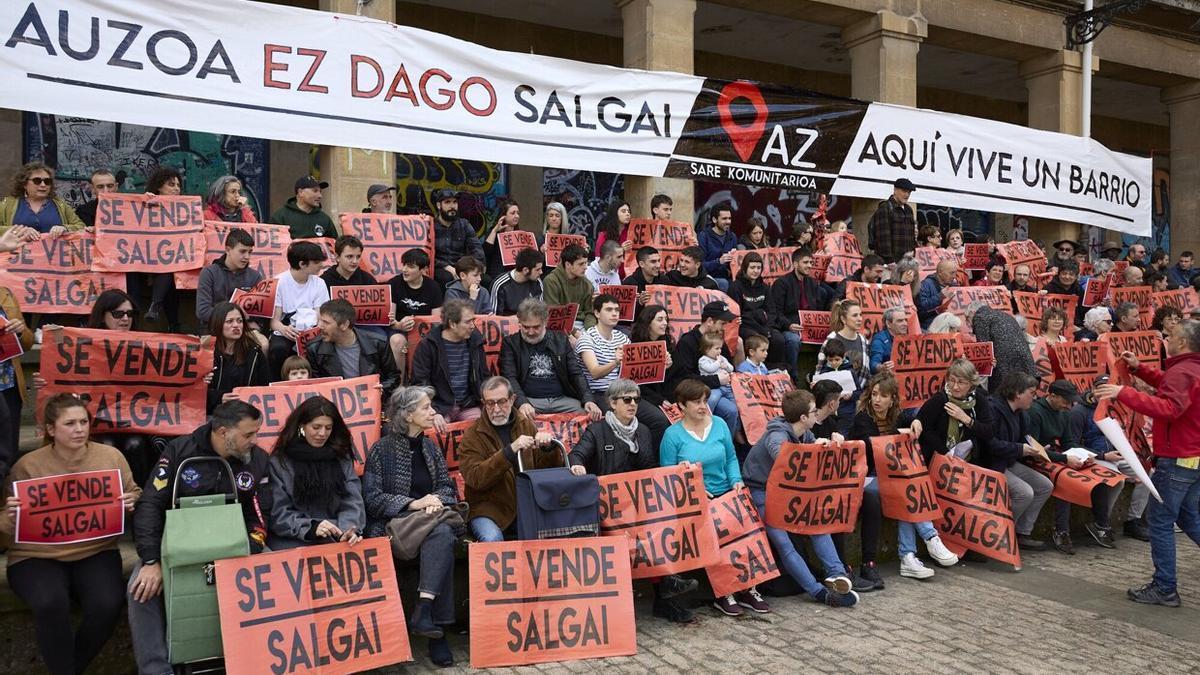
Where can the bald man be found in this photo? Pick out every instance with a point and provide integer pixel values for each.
(1133, 276)
(933, 291)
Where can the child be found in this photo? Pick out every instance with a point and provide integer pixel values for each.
(839, 226)
(835, 356)
(295, 368)
(470, 285)
(756, 352)
(711, 362)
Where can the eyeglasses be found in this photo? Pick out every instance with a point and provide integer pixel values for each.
(38, 180)
(628, 400)
(121, 313)
(496, 404)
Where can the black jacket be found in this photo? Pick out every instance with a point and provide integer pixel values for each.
(150, 514)
(227, 376)
(603, 454)
(1008, 437)
(685, 361)
(429, 368)
(514, 364)
(786, 293)
(754, 301)
(453, 242)
(374, 358)
(935, 422)
(674, 278)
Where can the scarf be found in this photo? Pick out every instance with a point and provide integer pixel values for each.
(625, 433)
(319, 480)
(954, 427)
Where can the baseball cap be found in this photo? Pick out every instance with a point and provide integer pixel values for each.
(379, 188)
(717, 310)
(1065, 389)
(310, 182)
(442, 194)
(904, 184)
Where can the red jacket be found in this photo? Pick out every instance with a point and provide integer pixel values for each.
(1175, 407)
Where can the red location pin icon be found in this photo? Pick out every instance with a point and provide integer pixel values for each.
(744, 136)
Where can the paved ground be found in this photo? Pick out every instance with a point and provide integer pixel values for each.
(1059, 614)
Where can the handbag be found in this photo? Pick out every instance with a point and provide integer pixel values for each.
(408, 530)
(555, 502)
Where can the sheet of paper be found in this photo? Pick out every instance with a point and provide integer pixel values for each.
(1116, 435)
(845, 378)
(961, 450)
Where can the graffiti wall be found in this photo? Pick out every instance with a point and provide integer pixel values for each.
(480, 186)
(76, 146)
(781, 209)
(976, 226)
(585, 194)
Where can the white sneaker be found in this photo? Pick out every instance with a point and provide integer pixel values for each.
(938, 551)
(912, 567)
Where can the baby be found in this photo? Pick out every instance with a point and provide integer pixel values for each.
(712, 362)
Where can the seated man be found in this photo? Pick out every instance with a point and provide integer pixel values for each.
(690, 271)
(895, 323)
(230, 435)
(605, 269)
(523, 281)
(413, 294)
(685, 361)
(454, 237)
(487, 458)
(567, 284)
(932, 294)
(541, 367)
(347, 272)
(717, 242)
(450, 359)
(346, 351)
(795, 426)
(226, 274)
(298, 296)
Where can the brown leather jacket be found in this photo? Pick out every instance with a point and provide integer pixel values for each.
(487, 473)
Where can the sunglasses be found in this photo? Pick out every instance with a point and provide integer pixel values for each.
(121, 313)
(41, 181)
(628, 400)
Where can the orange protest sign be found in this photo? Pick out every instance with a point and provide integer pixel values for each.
(745, 557)
(975, 509)
(1146, 345)
(358, 399)
(1183, 299)
(304, 383)
(372, 304)
(665, 512)
(928, 258)
(555, 600)
(1142, 296)
(981, 355)
(644, 362)
(672, 411)
(975, 256)
(136, 233)
(1081, 362)
(270, 249)
(306, 336)
(54, 275)
(625, 295)
(816, 489)
(69, 508)
(759, 398)
(259, 300)
(814, 327)
(1031, 306)
(1096, 290)
(845, 256)
(566, 427)
(1044, 361)
(325, 609)
(685, 305)
(1023, 252)
(330, 252)
(136, 382)
(449, 442)
(562, 317)
(875, 299)
(820, 266)
(905, 489)
(493, 328)
(385, 237)
(10, 344)
(668, 236)
(777, 262)
(959, 297)
(921, 362)
(513, 242)
(555, 243)
(1076, 485)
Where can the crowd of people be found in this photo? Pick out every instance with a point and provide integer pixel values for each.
(306, 491)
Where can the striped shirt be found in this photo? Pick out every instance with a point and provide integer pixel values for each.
(458, 369)
(605, 351)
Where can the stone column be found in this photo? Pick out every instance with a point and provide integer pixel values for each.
(659, 35)
(883, 67)
(1054, 82)
(350, 171)
(1183, 107)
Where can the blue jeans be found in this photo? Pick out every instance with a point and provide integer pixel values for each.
(485, 529)
(791, 344)
(1180, 491)
(907, 533)
(722, 283)
(724, 408)
(790, 558)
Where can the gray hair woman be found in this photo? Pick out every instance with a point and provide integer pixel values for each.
(556, 220)
(226, 202)
(406, 475)
(617, 443)
(907, 272)
(945, 323)
(956, 419)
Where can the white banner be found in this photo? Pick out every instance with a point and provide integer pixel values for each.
(972, 163)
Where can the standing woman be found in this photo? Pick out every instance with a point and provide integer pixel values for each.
(49, 577)
(406, 475)
(509, 220)
(318, 497)
(653, 324)
(238, 361)
(164, 182)
(556, 222)
(12, 379)
(615, 227)
(31, 202)
(226, 202)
